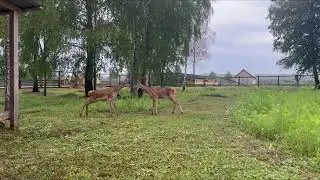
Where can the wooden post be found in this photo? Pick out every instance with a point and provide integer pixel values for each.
(14, 70)
(258, 81)
(239, 81)
(278, 81)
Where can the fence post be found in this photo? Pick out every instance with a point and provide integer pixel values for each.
(59, 79)
(278, 80)
(258, 81)
(239, 81)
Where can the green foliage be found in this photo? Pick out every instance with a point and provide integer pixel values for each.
(228, 75)
(295, 26)
(212, 75)
(42, 41)
(289, 116)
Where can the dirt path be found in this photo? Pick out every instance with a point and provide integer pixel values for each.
(262, 155)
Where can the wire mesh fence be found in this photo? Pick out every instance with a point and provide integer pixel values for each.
(59, 79)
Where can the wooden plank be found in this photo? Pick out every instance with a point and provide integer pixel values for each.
(7, 5)
(4, 115)
(14, 70)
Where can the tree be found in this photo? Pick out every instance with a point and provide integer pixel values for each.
(88, 23)
(228, 75)
(157, 34)
(295, 26)
(212, 74)
(200, 45)
(144, 37)
(42, 41)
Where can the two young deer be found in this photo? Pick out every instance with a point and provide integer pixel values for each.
(110, 94)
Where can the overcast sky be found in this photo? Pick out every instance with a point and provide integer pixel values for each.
(243, 40)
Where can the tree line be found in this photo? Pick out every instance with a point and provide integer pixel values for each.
(147, 38)
(295, 26)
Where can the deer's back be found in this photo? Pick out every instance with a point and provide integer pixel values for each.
(100, 93)
(164, 92)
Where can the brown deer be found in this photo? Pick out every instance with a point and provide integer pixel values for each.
(161, 93)
(107, 94)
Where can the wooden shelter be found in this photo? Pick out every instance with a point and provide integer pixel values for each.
(13, 8)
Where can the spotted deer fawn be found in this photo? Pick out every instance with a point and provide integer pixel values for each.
(161, 93)
(107, 94)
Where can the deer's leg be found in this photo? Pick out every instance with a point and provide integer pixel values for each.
(176, 102)
(111, 106)
(181, 111)
(154, 106)
(86, 104)
(114, 105)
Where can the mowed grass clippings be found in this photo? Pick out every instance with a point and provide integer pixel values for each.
(203, 143)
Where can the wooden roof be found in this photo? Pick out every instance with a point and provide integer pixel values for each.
(18, 5)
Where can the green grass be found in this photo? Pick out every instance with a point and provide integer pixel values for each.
(291, 116)
(203, 143)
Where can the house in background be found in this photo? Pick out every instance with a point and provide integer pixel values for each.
(245, 78)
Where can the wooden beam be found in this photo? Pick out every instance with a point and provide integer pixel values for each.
(14, 70)
(4, 115)
(7, 5)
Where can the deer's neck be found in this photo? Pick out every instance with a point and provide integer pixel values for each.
(118, 88)
(146, 89)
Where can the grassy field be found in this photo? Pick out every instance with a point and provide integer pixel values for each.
(288, 115)
(203, 143)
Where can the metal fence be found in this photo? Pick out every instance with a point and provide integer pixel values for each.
(199, 80)
(60, 80)
(56, 80)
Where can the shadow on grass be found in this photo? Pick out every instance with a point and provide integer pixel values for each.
(214, 95)
(71, 96)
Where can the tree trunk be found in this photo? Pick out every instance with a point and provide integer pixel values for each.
(134, 71)
(194, 64)
(297, 80)
(90, 50)
(185, 74)
(35, 84)
(166, 78)
(7, 76)
(149, 79)
(94, 78)
(94, 69)
(41, 82)
(143, 82)
(316, 77)
(45, 86)
(161, 78)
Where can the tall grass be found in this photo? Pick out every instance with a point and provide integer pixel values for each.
(292, 116)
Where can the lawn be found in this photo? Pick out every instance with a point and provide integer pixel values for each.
(203, 143)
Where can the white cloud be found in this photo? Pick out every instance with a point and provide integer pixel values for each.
(254, 39)
(240, 12)
(242, 39)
